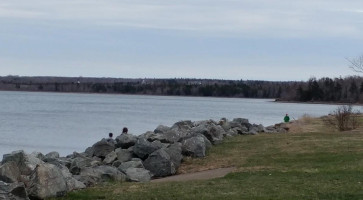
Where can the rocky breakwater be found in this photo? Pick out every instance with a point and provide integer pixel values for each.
(153, 154)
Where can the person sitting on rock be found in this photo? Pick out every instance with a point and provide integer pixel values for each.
(110, 138)
(286, 118)
(125, 130)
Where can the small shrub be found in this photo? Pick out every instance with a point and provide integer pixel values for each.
(344, 118)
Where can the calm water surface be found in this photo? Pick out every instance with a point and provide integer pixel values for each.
(71, 122)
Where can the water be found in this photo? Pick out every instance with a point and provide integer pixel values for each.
(65, 123)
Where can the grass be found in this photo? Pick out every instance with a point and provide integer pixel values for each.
(311, 162)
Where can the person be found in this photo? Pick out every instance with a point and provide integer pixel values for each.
(110, 138)
(286, 118)
(125, 130)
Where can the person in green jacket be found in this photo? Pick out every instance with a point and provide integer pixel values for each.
(286, 118)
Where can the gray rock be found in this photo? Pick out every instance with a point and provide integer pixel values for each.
(80, 163)
(13, 191)
(26, 163)
(143, 147)
(38, 155)
(214, 133)
(183, 126)
(89, 152)
(125, 140)
(91, 176)
(131, 164)
(162, 129)
(175, 153)
(110, 157)
(116, 164)
(52, 155)
(72, 183)
(160, 164)
(195, 147)
(123, 155)
(47, 181)
(9, 172)
(241, 120)
(102, 148)
(138, 175)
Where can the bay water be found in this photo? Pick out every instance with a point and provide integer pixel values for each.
(68, 122)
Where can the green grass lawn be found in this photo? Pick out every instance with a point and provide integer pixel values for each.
(319, 164)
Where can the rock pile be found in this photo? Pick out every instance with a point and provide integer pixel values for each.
(157, 153)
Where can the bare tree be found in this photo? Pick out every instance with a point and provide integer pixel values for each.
(356, 64)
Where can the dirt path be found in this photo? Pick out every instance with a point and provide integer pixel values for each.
(204, 175)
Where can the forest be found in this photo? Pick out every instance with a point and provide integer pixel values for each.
(338, 90)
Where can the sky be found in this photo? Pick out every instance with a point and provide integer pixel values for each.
(278, 40)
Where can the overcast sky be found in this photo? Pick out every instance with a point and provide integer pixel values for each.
(223, 39)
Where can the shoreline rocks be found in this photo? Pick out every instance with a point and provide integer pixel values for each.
(153, 154)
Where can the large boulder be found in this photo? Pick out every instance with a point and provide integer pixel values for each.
(214, 133)
(25, 162)
(162, 129)
(93, 175)
(144, 148)
(47, 181)
(130, 164)
(52, 155)
(80, 163)
(72, 183)
(125, 140)
(123, 155)
(160, 164)
(9, 172)
(110, 158)
(175, 153)
(102, 148)
(194, 146)
(169, 136)
(13, 191)
(183, 126)
(138, 175)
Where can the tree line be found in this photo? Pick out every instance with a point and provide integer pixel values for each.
(344, 90)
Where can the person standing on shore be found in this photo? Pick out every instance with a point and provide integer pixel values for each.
(286, 118)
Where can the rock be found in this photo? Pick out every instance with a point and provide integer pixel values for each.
(123, 155)
(52, 155)
(162, 129)
(72, 183)
(260, 128)
(93, 175)
(102, 148)
(125, 140)
(194, 146)
(9, 172)
(183, 126)
(214, 133)
(175, 153)
(131, 164)
(26, 163)
(241, 120)
(160, 164)
(143, 147)
(138, 175)
(89, 152)
(38, 155)
(116, 164)
(170, 136)
(47, 181)
(110, 157)
(80, 163)
(13, 191)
